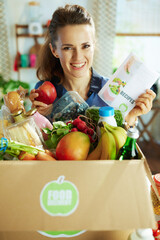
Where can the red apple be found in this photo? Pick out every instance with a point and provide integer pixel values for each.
(47, 93)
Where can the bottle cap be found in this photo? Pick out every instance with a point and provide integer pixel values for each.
(156, 178)
(133, 133)
(106, 111)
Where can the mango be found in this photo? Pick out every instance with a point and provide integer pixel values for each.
(73, 146)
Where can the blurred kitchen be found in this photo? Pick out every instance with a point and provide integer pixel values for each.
(122, 26)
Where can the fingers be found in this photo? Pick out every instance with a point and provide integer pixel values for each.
(44, 109)
(148, 94)
(143, 107)
(145, 100)
(38, 104)
(151, 93)
(33, 95)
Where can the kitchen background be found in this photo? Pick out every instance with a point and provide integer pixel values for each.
(122, 26)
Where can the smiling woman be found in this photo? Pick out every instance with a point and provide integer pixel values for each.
(66, 61)
(75, 54)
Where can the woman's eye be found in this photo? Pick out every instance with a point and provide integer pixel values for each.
(86, 46)
(67, 48)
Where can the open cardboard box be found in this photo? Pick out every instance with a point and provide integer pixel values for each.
(101, 199)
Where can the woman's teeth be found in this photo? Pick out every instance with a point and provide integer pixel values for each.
(78, 65)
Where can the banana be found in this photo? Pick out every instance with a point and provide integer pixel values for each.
(108, 146)
(96, 153)
(119, 133)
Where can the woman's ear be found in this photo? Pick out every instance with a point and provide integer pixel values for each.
(53, 51)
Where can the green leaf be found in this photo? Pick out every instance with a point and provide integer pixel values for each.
(47, 130)
(49, 143)
(62, 131)
(54, 141)
(59, 124)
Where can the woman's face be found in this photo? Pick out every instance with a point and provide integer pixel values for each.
(75, 49)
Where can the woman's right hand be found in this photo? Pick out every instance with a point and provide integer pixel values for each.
(44, 109)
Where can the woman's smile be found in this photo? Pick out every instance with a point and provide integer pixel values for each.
(78, 66)
(75, 49)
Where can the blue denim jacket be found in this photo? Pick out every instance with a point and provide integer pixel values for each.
(97, 82)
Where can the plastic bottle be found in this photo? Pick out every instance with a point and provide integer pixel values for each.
(106, 114)
(142, 234)
(129, 150)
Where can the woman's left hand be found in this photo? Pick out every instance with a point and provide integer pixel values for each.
(143, 106)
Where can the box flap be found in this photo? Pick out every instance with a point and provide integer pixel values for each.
(149, 175)
(112, 195)
(148, 172)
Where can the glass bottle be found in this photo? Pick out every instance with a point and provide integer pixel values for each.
(129, 150)
(24, 130)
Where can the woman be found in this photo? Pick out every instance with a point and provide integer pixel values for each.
(66, 60)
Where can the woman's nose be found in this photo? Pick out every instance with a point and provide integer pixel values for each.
(77, 54)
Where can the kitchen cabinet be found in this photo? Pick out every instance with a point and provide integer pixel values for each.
(22, 32)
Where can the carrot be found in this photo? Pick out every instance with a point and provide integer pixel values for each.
(50, 153)
(44, 156)
(26, 156)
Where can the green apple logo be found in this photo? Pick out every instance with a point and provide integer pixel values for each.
(123, 107)
(59, 198)
(59, 234)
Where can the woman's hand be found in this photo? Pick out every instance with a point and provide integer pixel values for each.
(44, 109)
(143, 106)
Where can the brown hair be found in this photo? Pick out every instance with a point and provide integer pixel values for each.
(47, 64)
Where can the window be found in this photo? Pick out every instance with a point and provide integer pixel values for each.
(138, 31)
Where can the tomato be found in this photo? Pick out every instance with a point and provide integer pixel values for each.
(47, 93)
(156, 233)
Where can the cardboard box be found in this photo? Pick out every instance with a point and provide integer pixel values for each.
(100, 198)
(87, 235)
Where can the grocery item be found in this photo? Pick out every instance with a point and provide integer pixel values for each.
(156, 231)
(47, 93)
(96, 153)
(68, 107)
(141, 234)
(129, 150)
(3, 124)
(73, 146)
(93, 113)
(106, 114)
(40, 120)
(111, 139)
(54, 135)
(13, 101)
(155, 201)
(24, 130)
(21, 151)
(108, 146)
(119, 133)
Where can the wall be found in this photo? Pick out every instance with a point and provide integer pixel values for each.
(17, 12)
